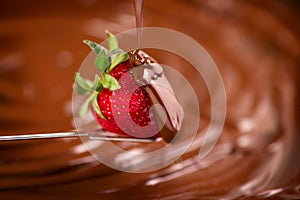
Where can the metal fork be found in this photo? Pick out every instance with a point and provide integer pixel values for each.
(93, 135)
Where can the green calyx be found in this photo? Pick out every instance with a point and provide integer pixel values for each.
(105, 61)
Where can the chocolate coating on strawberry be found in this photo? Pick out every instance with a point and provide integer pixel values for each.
(145, 68)
(150, 74)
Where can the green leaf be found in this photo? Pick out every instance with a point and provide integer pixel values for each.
(97, 86)
(101, 61)
(85, 106)
(96, 106)
(110, 82)
(117, 60)
(94, 46)
(82, 85)
(112, 41)
(115, 52)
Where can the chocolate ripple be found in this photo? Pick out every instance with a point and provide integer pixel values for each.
(257, 49)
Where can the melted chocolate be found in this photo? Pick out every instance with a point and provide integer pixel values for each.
(256, 45)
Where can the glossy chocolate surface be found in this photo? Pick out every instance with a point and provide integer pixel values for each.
(255, 44)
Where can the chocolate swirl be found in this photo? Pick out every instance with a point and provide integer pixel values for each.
(256, 46)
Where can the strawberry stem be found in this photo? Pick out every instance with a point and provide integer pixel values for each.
(117, 60)
(94, 46)
(110, 82)
(82, 86)
(102, 62)
(85, 106)
(96, 105)
(112, 41)
(105, 62)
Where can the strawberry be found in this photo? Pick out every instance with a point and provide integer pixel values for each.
(119, 104)
(129, 106)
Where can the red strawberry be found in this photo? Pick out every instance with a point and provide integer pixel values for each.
(128, 105)
(119, 103)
